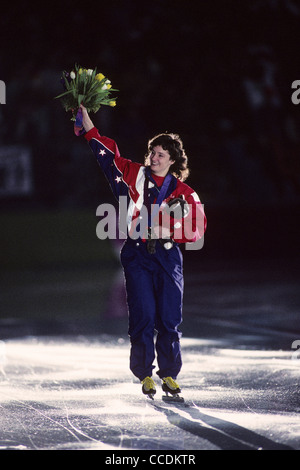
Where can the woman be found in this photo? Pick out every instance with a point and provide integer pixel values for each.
(152, 261)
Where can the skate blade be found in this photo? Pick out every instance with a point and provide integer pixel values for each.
(173, 398)
(150, 396)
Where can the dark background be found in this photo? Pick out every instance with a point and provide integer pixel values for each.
(217, 73)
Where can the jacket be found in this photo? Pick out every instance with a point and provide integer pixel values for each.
(132, 179)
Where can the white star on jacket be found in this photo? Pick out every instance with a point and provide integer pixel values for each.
(102, 152)
(118, 179)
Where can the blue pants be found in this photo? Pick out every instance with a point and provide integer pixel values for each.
(154, 286)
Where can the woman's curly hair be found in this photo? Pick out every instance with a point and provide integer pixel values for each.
(173, 144)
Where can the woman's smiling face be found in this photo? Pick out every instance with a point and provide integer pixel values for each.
(160, 161)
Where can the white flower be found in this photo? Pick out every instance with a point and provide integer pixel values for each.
(104, 87)
(72, 75)
(89, 71)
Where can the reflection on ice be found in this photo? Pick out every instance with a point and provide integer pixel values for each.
(256, 354)
(2, 357)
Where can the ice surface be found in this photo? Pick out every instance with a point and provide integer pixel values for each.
(77, 392)
(65, 385)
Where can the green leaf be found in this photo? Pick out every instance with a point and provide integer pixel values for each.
(80, 99)
(63, 94)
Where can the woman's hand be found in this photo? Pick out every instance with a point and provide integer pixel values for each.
(86, 120)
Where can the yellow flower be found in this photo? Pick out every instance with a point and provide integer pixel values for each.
(99, 77)
(108, 86)
(80, 71)
(112, 103)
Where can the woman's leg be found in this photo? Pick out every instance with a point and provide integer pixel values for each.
(169, 296)
(141, 308)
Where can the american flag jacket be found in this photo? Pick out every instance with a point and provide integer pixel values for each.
(132, 179)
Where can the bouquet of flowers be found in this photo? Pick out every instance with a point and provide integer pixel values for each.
(87, 87)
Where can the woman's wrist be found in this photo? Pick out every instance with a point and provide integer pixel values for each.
(86, 120)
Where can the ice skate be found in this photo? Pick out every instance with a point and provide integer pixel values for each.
(172, 390)
(149, 387)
